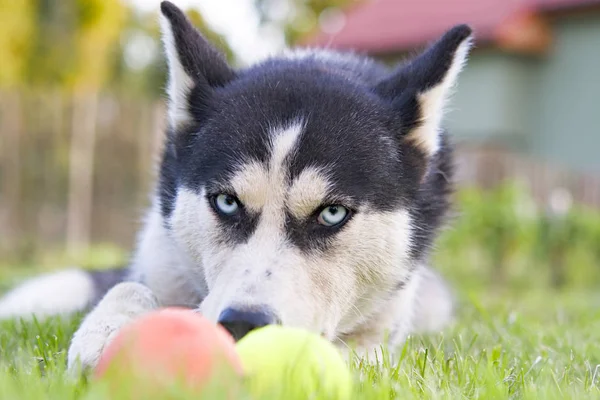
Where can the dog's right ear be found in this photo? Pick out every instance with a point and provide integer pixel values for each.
(419, 89)
(194, 64)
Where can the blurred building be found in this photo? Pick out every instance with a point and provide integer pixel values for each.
(531, 86)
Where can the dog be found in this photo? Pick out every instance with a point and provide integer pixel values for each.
(305, 190)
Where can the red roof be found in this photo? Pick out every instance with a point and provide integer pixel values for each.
(381, 26)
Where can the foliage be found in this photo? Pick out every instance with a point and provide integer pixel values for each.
(99, 23)
(81, 45)
(148, 79)
(297, 18)
(536, 345)
(74, 42)
(513, 242)
(17, 27)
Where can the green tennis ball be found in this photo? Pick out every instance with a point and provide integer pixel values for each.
(282, 362)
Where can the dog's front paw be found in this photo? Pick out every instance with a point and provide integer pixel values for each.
(123, 303)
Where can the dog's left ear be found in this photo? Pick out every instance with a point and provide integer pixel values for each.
(194, 64)
(419, 89)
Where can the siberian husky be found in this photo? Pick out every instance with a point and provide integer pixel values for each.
(305, 190)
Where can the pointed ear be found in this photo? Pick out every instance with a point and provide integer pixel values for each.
(194, 64)
(419, 89)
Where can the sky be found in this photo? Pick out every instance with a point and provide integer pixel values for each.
(235, 19)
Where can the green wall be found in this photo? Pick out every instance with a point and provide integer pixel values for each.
(548, 106)
(493, 100)
(568, 124)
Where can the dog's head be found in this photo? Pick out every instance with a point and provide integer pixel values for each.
(306, 189)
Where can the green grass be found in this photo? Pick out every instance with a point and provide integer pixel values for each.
(514, 337)
(534, 345)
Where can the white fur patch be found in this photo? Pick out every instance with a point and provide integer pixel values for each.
(179, 82)
(433, 103)
(250, 184)
(434, 303)
(283, 144)
(307, 192)
(256, 184)
(393, 319)
(378, 245)
(165, 267)
(121, 305)
(62, 292)
(193, 225)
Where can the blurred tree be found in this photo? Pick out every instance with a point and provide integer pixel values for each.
(17, 29)
(297, 18)
(94, 30)
(141, 68)
(85, 45)
(98, 27)
(74, 43)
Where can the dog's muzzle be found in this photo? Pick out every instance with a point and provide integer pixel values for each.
(239, 322)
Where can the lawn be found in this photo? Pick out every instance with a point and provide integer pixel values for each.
(520, 332)
(536, 344)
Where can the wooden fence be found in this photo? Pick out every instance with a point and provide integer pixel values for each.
(488, 166)
(77, 169)
(74, 169)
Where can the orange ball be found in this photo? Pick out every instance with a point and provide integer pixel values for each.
(170, 346)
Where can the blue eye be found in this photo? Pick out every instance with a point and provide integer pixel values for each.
(332, 215)
(226, 204)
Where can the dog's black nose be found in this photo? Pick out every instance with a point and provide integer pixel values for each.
(239, 322)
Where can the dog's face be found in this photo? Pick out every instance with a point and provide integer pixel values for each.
(294, 185)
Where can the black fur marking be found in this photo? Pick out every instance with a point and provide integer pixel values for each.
(236, 228)
(433, 199)
(167, 180)
(346, 144)
(105, 279)
(419, 75)
(309, 235)
(400, 286)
